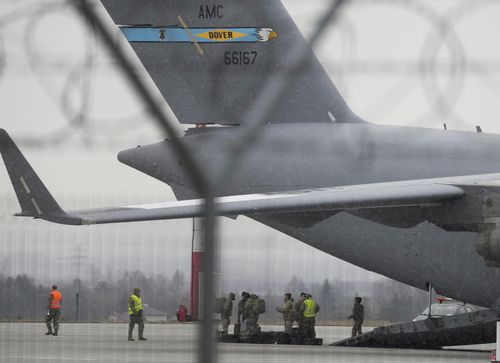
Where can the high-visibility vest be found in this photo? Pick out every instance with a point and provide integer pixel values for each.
(56, 300)
(310, 311)
(137, 306)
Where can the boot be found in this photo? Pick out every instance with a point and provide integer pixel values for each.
(142, 338)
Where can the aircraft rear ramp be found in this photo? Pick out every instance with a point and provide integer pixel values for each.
(478, 327)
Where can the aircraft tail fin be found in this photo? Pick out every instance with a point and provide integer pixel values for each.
(211, 59)
(34, 198)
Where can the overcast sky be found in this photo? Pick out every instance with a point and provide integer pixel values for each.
(418, 63)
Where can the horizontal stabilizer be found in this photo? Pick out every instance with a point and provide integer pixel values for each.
(34, 198)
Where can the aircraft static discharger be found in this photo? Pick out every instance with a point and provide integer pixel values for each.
(420, 206)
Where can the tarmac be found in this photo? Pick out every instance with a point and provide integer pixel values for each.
(26, 342)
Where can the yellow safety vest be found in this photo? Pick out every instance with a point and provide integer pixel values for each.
(310, 311)
(138, 305)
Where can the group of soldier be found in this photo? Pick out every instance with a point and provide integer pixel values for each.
(250, 307)
(303, 311)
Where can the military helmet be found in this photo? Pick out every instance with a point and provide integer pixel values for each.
(231, 295)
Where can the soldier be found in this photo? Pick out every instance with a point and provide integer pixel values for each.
(135, 310)
(252, 314)
(309, 310)
(226, 312)
(241, 306)
(358, 315)
(288, 312)
(299, 317)
(241, 312)
(53, 311)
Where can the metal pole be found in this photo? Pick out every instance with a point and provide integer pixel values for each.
(78, 287)
(77, 305)
(207, 351)
(430, 301)
(498, 342)
(197, 251)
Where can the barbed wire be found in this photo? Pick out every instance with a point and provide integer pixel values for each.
(80, 77)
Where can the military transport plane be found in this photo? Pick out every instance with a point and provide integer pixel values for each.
(421, 206)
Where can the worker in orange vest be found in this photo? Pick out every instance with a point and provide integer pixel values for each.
(53, 311)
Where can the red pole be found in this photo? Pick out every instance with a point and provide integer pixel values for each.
(197, 250)
(196, 268)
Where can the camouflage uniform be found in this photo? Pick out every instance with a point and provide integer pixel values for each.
(288, 313)
(298, 313)
(358, 315)
(241, 306)
(252, 314)
(52, 315)
(226, 312)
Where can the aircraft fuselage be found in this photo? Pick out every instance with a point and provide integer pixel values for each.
(302, 156)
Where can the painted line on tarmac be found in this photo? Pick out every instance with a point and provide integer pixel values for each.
(64, 359)
(73, 359)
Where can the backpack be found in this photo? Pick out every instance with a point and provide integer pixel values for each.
(261, 306)
(219, 304)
